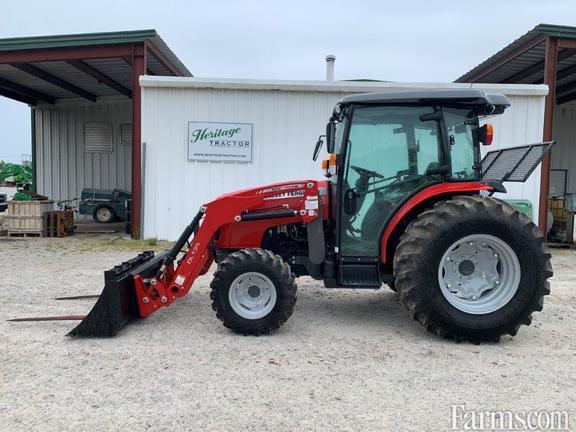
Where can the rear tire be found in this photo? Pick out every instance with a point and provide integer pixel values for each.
(468, 241)
(253, 292)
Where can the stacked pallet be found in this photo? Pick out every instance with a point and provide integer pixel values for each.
(58, 223)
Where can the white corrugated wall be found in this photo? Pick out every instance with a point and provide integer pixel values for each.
(287, 119)
(63, 167)
(522, 123)
(564, 152)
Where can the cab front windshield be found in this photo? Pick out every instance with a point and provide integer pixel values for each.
(390, 154)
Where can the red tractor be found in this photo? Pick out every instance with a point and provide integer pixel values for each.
(407, 202)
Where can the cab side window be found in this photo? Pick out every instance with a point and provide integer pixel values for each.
(460, 128)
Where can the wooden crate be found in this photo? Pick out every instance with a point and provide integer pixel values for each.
(58, 223)
(29, 208)
(26, 217)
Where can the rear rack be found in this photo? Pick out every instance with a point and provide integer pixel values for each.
(514, 164)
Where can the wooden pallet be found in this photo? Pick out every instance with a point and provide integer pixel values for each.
(24, 233)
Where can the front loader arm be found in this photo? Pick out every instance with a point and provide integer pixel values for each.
(297, 200)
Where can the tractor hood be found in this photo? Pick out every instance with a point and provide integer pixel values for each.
(289, 189)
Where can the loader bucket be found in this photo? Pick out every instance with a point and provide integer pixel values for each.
(117, 304)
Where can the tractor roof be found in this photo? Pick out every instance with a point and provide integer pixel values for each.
(496, 103)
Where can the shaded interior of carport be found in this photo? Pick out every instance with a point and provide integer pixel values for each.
(85, 97)
(546, 54)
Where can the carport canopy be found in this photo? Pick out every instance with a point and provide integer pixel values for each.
(50, 69)
(546, 54)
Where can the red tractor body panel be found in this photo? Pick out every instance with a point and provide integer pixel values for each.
(249, 234)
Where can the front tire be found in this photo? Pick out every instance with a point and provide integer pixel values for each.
(472, 268)
(253, 292)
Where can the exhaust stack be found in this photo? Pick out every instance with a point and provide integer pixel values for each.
(330, 59)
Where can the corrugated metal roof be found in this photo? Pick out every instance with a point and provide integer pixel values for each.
(534, 35)
(330, 86)
(72, 78)
(117, 69)
(522, 61)
(155, 66)
(75, 40)
(14, 75)
(558, 31)
(93, 39)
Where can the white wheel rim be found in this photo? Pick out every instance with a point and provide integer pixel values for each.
(103, 213)
(479, 274)
(252, 295)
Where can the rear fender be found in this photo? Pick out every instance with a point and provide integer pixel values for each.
(415, 205)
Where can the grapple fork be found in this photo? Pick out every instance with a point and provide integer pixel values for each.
(117, 304)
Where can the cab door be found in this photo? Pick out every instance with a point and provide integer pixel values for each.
(390, 152)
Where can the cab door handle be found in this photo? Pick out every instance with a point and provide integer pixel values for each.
(350, 202)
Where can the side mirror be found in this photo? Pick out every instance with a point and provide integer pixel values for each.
(317, 148)
(486, 134)
(330, 136)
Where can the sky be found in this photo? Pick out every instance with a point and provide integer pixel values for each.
(402, 40)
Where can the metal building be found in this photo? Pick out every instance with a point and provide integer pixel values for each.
(120, 110)
(84, 93)
(285, 119)
(546, 54)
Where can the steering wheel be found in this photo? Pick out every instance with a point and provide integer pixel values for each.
(365, 172)
(401, 181)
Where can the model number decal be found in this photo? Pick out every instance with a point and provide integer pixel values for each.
(294, 194)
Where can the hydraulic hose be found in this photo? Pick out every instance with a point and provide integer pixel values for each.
(180, 243)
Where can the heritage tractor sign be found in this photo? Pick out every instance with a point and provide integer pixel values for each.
(220, 142)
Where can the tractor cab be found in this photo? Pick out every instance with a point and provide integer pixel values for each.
(389, 147)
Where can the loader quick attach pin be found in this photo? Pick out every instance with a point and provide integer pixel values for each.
(150, 281)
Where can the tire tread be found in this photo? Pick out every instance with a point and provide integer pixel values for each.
(420, 237)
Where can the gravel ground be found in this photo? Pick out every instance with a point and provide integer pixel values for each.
(346, 360)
